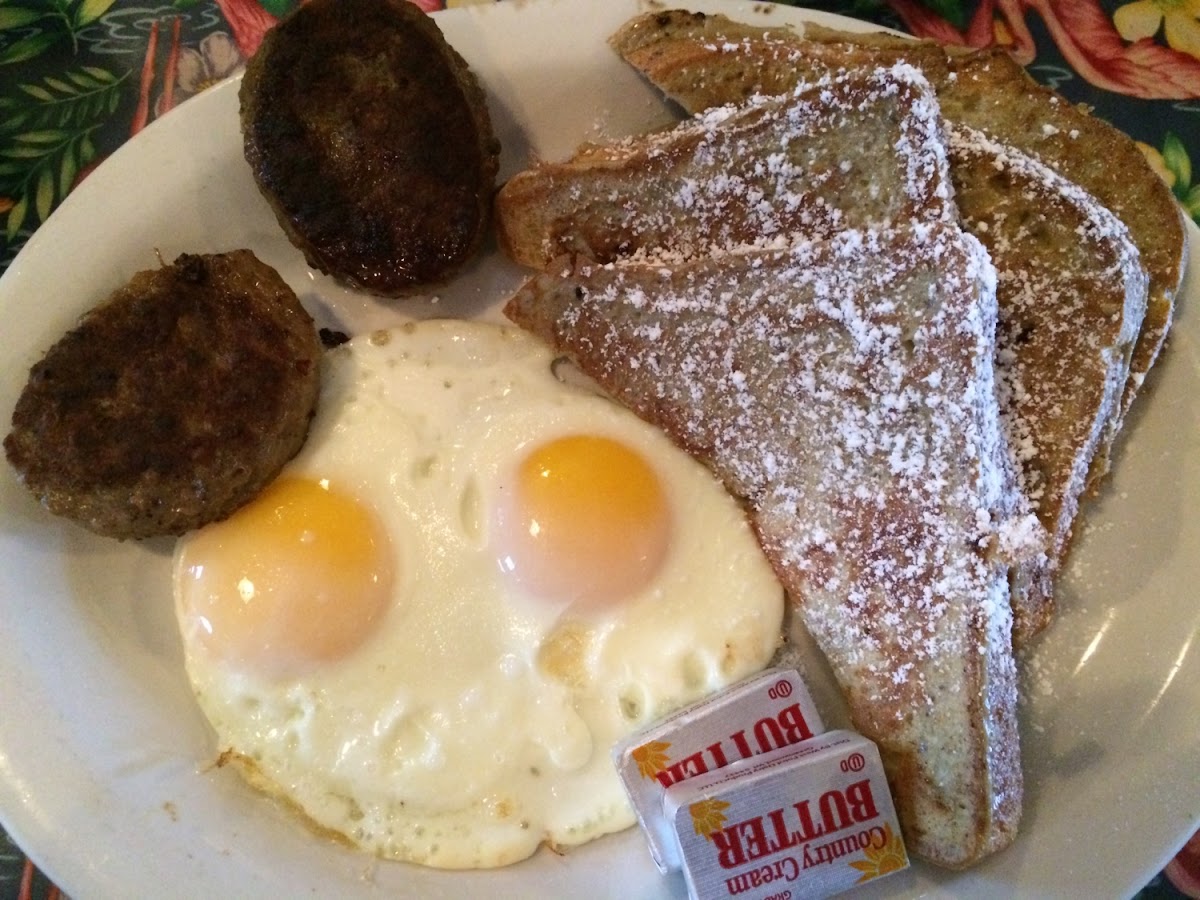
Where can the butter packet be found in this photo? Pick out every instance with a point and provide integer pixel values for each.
(760, 714)
(805, 822)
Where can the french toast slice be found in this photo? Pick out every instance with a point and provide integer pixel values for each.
(1072, 296)
(843, 390)
(859, 150)
(1062, 362)
(701, 61)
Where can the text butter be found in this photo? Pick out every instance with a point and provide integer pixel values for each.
(766, 712)
(806, 821)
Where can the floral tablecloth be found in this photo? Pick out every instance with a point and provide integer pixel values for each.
(80, 77)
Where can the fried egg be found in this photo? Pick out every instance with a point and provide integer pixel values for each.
(473, 580)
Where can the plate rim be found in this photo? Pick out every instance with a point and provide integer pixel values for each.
(28, 828)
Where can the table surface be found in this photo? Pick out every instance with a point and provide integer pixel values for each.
(80, 77)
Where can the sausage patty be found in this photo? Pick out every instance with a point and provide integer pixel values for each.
(371, 140)
(173, 402)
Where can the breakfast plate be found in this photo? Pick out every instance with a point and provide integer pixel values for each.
(107, 774)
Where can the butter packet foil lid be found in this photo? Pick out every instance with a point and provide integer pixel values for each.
(807, 821)
(770, 710)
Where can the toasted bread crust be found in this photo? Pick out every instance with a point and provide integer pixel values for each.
(173, 402)
(1064, 260)
(1072, 297)
(371, 139)
(675, 49)
(799, 377)
(960, 799)
(1063, 417)
(702, 61)
(990, 92)
(811, 163)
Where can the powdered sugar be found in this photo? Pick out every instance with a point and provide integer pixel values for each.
(805, 377)
(1072, 295)
(818, 384)
(774, 168)
(1040, 391)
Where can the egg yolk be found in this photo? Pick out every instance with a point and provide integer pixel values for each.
(586, 520)
(294, 580)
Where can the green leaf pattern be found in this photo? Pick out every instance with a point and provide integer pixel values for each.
(1178, 164)
(26, 49)
(72, 85)
(15, 17)
(45, 140)
(90, 10)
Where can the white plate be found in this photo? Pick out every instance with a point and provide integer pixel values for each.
(104, 758)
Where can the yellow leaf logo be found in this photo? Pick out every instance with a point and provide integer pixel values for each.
(708, 816)
(651, 758)
(888, 857)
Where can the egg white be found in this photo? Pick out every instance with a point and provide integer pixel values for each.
(476, 722)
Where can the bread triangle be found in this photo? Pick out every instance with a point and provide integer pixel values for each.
(1072, 297)
(1066, 389)
(702, 61)
(854, 151)
(843, 389)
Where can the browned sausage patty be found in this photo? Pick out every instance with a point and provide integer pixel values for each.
(371, 140)
(173, 402)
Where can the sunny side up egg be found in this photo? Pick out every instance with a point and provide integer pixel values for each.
(474, 579)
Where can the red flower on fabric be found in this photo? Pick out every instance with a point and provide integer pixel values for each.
(248, 22)
(1184, 870)
(1130, 63)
